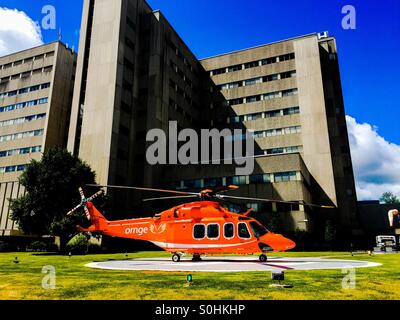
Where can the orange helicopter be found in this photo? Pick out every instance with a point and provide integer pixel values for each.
(197, 228)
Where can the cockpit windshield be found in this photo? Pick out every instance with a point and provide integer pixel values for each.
(258, 229)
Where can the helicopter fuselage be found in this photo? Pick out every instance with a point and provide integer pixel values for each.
(201, 227)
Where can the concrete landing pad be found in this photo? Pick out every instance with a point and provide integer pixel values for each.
(229, 264)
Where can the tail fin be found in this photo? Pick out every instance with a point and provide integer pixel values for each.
(99, 222)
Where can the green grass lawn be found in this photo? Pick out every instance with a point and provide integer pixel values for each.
(74, 281)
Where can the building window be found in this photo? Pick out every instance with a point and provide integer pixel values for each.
(286, 57)
(268, 61)
(26, 74)
(235, 68)
(251, 82)
(23, 90)
(290, 111)
(252, 64)
(48, 69)
(50, 54)
(236, 101)
(253, 99)
(213, 182)
(290, 92)
(285, 176)
(257, 178)
(288, 74)
(218, 71)
(272, 95)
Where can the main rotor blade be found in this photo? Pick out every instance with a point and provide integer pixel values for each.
(81, 193)
(74, 209)
(98, 193)
(143, 189)
(280, 201)
(166, 198)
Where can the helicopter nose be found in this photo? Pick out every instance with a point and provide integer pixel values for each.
(289, 244)
(279, 242)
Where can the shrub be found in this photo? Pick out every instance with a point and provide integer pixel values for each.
(5, 247)
(38, 246)
(78, 244)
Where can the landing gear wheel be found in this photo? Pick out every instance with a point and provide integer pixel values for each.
(263, 258)
(176, 257)
(196, 257)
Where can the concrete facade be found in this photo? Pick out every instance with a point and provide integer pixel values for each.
(135, 73)
(35, 101)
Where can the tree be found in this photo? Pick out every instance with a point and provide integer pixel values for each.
(389, 198)
(51, 186)
(330, 232)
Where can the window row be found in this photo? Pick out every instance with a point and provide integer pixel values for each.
(181, 74)
(180, 110)
(283, 150)
(22, 105)
(25, 90)
(253, 81)
(14, 152)
(21, 135)
(180, 91)
(261, 97)
(22, 120)
(26, 74)
(277, 132)
(263, 115)
(27, 60)
(212, 230)
(180, 55)
(238, 180)
(253, 64)
(8, 169)
(266, 133)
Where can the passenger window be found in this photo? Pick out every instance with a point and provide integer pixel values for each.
(213, 231)
(243, 232)
(199, 231)
(228, 230)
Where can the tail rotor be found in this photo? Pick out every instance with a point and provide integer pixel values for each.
(84, 202)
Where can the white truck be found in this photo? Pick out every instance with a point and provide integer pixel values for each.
(386, 243)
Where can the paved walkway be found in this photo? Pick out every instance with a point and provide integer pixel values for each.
(231, 264)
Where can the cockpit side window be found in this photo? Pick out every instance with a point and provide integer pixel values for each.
(258, 229)
(243, 231)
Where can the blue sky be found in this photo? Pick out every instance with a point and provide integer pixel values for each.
(368, 56)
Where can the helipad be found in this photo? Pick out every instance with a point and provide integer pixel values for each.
(230, 264)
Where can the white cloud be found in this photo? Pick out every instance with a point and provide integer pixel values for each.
(376, 162)
(17, 31)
